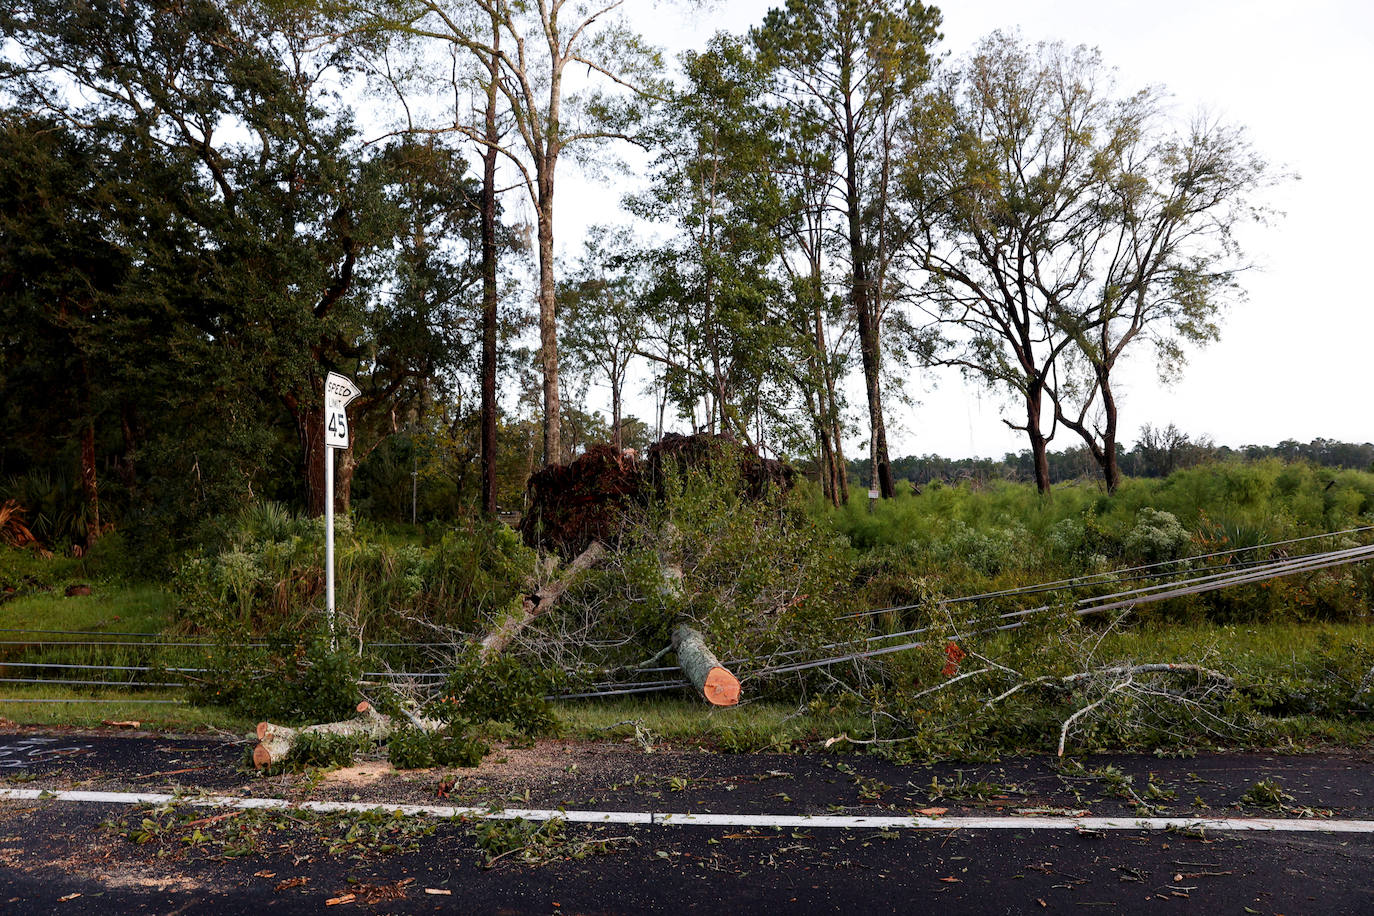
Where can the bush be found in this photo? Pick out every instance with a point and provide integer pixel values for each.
(500, 689)
(1157, 536)
(262, 572)
(296, 683)
(414, 749)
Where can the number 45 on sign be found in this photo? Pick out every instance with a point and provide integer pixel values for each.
(338, 392)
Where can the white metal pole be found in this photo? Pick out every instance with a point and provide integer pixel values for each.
(329, 543)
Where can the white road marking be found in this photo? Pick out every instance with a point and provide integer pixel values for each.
(688, 819)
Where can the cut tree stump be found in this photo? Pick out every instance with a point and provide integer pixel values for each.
(276, 741)
(703, 669)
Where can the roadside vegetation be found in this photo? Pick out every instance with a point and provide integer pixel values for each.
(204, 220)
(1284, 663)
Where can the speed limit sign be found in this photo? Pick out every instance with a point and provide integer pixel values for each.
(336, 427)
(338, 391)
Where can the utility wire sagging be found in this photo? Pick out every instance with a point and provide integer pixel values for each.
(1197, 580)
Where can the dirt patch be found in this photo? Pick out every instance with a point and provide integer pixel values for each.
(134, 878)
(545, 770)
(368, 773)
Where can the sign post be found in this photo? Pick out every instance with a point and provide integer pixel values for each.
(338, 392)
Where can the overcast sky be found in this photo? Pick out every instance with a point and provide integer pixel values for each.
(1293, 360)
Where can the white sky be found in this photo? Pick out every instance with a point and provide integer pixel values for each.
(1291, 362)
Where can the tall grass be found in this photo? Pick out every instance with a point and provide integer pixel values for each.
(969, 539)
(262, 573)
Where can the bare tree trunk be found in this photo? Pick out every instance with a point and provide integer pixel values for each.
(531, 606)
(1111, 470)
(616, 438)
(837, 436)
(548, 325)
(1038, 443)
(829, 428)
(815, 401)
(310, 432)
(870, 344)
(275, 742)
(699, 664)
(869, 350)
(489, 303)
(88, 482)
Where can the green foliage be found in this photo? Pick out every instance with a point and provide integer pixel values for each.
(473, 569)
(174, 830)
(500, 689)
(312, 750)
(303, 681)
(56, 510)
(1333, 678)
(971, 539)
(1155, 537)
(261, 572)
(537, 842)
(452, 746)
(534, 840)
(1266, 793)
(758, 575)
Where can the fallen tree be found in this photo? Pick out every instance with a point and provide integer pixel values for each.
(578, 514)
(540, 602)
(576, 510)
(277, 742)
(711, 679)
(572, 505)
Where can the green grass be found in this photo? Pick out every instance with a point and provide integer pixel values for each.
(749, 726)
(1249, 647)
(165, 717)
(110, 607)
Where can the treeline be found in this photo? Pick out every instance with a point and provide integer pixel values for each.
(1158, 454)
(206, 205)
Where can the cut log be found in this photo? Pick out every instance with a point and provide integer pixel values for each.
(276, 741)
(532, 606)
(703, 669)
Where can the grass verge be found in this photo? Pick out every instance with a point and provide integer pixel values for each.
(58, 706)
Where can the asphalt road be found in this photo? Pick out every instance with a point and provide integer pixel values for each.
(68, 857)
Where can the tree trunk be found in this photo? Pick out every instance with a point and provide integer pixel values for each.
(870, 343)
(837, 436)
(532, 606)
(1038, 443)
(827, 427)
(489, 291)
(815, 406)
(345, 464)
(88, 483)
(275, 742)
(616, 439)
(699, 664)
(310, 430)
(128, 472)
(548, 323)
(1111, 470)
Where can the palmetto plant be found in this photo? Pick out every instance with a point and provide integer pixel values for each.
(13, 531)
(54, 508)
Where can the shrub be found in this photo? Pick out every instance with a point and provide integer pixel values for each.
(261, 572)
(1156, 536)
(499, 689)
(290, 682)
(452, 746)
